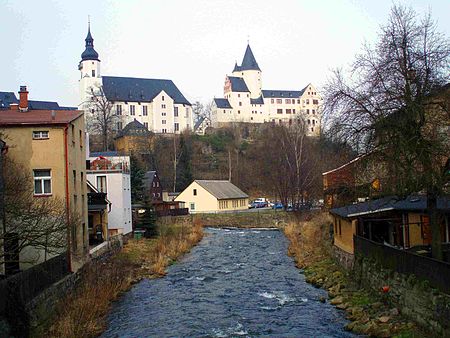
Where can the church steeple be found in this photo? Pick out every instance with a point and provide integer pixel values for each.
(89, 53)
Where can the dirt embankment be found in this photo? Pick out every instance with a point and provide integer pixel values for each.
(83, 313)
(369, 313)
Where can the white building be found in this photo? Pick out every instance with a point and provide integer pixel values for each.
(245, 100)
(111, 174)
(157, 104)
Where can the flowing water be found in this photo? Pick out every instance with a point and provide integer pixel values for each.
(234, 283)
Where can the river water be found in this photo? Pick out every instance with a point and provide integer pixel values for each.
(234, 283)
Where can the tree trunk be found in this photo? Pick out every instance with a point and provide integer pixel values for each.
(436, 240)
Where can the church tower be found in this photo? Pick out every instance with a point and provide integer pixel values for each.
(89, 68)
(250, 71)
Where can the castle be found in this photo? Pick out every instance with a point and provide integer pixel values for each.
(245, 100)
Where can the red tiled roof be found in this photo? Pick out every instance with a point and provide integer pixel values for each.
(34, 117)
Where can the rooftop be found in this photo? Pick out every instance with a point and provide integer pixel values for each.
(130, 89)
(222, 190)
(34, 117)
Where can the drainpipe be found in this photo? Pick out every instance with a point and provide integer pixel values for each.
(66, 160)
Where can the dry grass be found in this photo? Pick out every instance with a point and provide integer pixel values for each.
(83, 312)
(308, 239)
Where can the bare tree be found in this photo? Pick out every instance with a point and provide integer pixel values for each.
(383, 107)
(101, 117)
(35, 225)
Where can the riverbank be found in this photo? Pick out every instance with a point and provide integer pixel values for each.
(83, 312)
(369, 313)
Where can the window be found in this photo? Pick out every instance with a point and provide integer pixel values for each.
(272, 101)
(40, 135)
(81, 139)
(315, 101)
(293, 111)
(309, 121)
(164, 130)
(340, 228)
(288, 111)
(192, 206)
(307, 101)
(93, 73)
(144, 110)
(307, 111)
(101, 183)
(118, 109)
(176, 127)
(279, 101)
(194, 192)
(313, 111)
(175, 111)
(119, 125)
(279, 111)
(298, 101)
(288, 101)
(146, 125)
(163, 121)
(42, 182)
(163, 114)
(240, 103)
(132, 109)
(162, 98)
(163, 106)
(74, 179)
(239, 95)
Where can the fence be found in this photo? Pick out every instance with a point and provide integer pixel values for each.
(436, 272)
(173, 212)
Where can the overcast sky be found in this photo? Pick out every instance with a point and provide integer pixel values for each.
(192, 42)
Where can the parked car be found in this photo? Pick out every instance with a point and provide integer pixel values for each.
(277, 205)
(256, 204)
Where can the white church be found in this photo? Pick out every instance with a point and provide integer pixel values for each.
(158, 104)
(245, 100)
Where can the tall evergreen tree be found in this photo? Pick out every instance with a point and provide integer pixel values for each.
(137, 174)
(147, 220)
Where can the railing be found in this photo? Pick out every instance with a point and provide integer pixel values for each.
(97, 199)
(435, 271)
(173, 212)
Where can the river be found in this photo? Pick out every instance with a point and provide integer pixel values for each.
(234, 283)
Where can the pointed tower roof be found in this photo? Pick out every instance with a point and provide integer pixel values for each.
(236, 68)
(89, 53)
(249, 61)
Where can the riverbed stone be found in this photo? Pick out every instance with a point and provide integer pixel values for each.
(337, 300)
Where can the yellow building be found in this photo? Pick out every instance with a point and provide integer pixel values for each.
(213, 196)
(134, 138)
(50, 146)
(400, 223)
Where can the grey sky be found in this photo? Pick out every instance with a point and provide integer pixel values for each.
(193, 43)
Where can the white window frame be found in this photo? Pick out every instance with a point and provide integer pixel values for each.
(42, 179)
(40, 135)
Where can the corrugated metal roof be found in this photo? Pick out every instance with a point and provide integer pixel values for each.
(412, 203)
(222, 190)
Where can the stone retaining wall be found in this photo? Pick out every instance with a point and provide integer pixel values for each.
(344, 258)
(414, 298)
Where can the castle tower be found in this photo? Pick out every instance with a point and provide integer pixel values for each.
(250, 71)
(89, 68)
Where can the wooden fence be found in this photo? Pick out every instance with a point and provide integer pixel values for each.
(435, 271)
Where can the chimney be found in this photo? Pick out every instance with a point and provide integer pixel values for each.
(23, 101)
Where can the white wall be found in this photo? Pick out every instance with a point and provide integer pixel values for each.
(118, 189)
